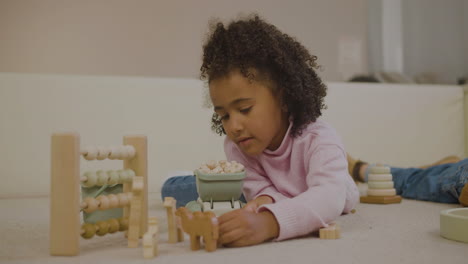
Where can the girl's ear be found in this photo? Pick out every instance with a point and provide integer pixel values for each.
(284, 108)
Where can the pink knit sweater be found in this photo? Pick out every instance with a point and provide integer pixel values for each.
(307, 177)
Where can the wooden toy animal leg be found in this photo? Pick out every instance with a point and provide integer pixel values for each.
(210, 243)
(210, 231)
(187, 222)
(180, 233)
(194, 242)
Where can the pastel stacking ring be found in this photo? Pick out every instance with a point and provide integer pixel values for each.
(380, 177)
(379, 169)
(380, 184)
(381, 192)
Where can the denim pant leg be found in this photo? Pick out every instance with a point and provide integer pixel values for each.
(441, 183)
(181, 188)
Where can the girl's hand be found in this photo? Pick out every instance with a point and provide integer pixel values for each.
(242, 227)
(253, 205)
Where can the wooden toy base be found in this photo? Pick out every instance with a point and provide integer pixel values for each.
(381, 199)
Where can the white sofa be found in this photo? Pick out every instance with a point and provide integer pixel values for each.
(399, 124)
(403, 125)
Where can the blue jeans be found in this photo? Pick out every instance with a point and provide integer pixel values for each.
(183, 189)
(441, 183)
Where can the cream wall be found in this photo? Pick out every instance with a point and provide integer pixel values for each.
(402, 125)
(164, 38)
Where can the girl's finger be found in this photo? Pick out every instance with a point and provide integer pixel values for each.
(251, 207)
(231, 236)
(227, 216)
(231, 224)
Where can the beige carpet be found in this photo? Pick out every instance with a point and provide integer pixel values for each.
(400, 233)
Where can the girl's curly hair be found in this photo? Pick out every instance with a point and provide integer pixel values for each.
(254, 44)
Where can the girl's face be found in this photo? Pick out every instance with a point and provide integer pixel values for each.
(251, 115)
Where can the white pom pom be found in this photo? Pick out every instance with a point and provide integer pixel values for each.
(239, 167)
(211, 164)
(217, 170)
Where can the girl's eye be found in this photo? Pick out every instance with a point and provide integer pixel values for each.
(224, 117)
(246, 110)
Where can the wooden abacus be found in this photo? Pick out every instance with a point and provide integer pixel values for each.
(65, 205)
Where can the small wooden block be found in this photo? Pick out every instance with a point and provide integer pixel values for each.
(381, 199)
(330, 232)
(150, 239)
(135, 212)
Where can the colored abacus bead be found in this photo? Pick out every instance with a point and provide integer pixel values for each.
(91, 179)
(91, 204)
(114, 152)
(103, 153)
(103, 228)
(114, 225)
(130, 151)
(130, 174)
(90, 152)
(123, 176)
(113, 201)
(113, 177)
(123, 153)
(123, 224)
(123, 199)
(102, 178)
(104, 203)
(88, 230)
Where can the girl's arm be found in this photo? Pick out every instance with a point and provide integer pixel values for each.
(330, 192)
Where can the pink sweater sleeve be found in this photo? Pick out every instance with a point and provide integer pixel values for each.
(324, 200)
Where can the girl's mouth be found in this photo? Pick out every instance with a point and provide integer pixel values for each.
(245, 142)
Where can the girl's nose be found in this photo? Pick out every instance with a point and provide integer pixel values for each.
(235, 126)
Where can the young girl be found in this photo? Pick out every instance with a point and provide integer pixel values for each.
(267, 99)
(445, 181)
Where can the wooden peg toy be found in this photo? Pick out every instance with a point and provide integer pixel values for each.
(150, 239)
(380, 187)
(135, 211)
(173, 229)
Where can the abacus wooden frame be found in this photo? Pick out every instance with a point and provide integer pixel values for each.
(65, 223)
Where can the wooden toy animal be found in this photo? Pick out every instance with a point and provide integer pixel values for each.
(199, 225)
